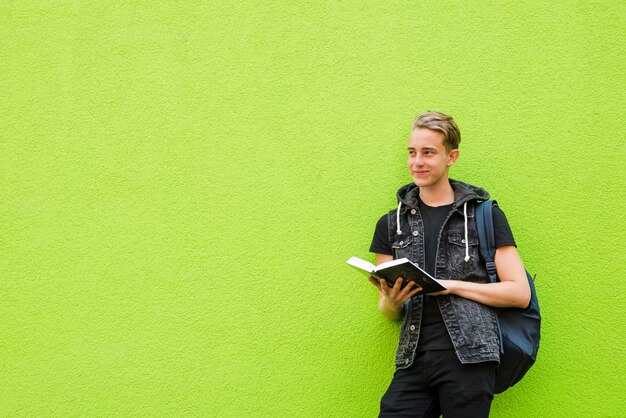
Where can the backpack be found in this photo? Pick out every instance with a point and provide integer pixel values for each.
(519, 328)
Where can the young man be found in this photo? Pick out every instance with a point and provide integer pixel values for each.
(449, 343)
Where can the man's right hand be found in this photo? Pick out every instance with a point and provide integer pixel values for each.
(392, 298)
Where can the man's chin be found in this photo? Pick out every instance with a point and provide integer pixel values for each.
(421, 182)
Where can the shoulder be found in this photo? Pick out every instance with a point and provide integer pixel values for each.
(503, 232)
(380, 241)
(383, 222)
(498, 212)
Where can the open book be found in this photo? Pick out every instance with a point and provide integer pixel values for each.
(393, 269)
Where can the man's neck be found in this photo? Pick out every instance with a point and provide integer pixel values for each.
(437, 194)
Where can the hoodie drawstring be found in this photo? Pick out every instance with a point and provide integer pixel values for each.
(467, 257)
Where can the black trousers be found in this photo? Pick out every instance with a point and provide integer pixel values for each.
(437, 383)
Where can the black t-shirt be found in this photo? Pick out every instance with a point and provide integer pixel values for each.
(433, 334)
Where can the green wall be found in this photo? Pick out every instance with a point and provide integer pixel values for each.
(181, 183)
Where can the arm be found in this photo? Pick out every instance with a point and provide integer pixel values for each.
(392, 298)
(511, 291)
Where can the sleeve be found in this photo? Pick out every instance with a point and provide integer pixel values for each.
(380, 241)
(504, 235)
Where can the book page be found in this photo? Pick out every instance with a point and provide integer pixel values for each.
(391, 263)
(362, 264)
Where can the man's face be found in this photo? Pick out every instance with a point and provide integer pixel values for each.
(428, 158)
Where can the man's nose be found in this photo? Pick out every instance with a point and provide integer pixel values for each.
(416, 160)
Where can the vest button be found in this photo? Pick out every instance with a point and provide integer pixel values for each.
(415, 233)
(413, 211)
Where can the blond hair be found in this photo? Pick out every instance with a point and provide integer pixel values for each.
(440, 122)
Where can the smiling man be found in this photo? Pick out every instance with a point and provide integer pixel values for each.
(449, 344)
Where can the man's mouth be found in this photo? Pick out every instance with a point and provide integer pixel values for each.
(420, 173)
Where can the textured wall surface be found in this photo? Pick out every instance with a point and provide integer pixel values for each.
(182, 182)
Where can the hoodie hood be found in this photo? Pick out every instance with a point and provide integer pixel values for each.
(463, 192)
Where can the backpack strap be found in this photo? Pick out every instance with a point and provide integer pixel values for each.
(487, 242)
(486, 236)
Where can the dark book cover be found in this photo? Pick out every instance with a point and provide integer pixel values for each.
(401, 267)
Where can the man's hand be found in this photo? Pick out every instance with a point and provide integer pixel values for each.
(392, 298)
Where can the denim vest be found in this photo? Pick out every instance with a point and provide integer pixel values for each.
(472, 326)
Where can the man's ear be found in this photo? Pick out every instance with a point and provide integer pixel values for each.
(453, 156)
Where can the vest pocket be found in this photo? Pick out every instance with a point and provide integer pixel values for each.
(458, 249)
(458, 238)
(399, 247)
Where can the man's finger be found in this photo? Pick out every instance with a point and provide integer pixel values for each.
(374, 282)
(384, 287)
(406, 289)
(415, 292)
